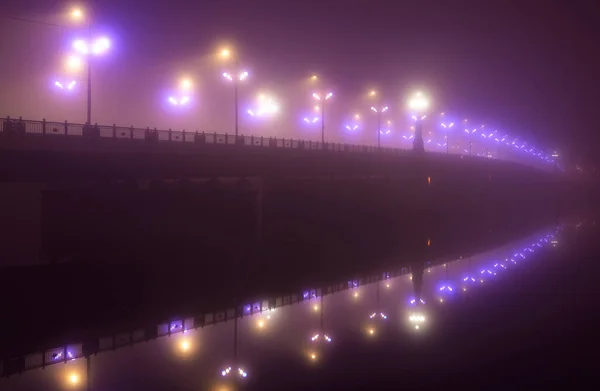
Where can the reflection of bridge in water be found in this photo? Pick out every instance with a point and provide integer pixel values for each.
(423, 285)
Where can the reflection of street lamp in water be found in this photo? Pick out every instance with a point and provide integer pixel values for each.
(235, 369)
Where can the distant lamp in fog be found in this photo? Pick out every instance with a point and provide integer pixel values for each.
(66, 86)
(179, 101)
(77, 14)
(186, 84)
(266, 106)
(73, 63)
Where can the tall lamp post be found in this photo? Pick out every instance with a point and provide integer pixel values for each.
(235, 78)
(322, 98)
(379, 112)
(418, 104)
(88, 48)
(447, 126)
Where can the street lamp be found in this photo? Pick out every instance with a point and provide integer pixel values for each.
(321, 98)
(182, 98)
(235, 78)
(379, 112)
(67, 86)
(418, 104)
(266, 106)
(88, 48)
(447, 126)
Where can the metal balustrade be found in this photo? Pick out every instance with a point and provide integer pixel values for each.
(65, 129)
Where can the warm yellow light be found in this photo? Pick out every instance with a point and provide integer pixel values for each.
(372, 93)
(73, 378)
(371, 331)
(74, 63)
(441, 300)
(77, 14)
(225, 53)
(184, 346)
(357, 116)
(355, 294)
(387, 285)
(314, 77)
(261, 324)
(316, 307)
(317, 108)
(417, 327)
(186, 84)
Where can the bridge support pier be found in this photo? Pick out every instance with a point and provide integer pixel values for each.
(259, 210)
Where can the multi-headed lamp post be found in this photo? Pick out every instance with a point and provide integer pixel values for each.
(322, 98)
(235, 78)
(379, 111)
(88, 48)
(447, 126)
(418, 104)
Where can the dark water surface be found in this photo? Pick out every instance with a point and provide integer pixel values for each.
(518, 316)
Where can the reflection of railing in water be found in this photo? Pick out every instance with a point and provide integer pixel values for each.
(69, 352)
(77, 350)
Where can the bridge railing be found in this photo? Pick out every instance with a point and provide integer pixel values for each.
(66, 129)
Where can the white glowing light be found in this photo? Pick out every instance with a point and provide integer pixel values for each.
(179, 102)
(418, 102)
(100, 45)
(266, 106)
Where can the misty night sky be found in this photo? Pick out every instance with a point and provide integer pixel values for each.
(526, 67)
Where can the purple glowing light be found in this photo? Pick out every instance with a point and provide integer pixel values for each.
(97, 47)
(179, 102)
(69, 86)
(313, 120)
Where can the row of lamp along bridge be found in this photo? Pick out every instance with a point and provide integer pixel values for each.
(86, 49)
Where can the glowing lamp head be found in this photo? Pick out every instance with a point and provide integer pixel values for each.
(357, 116)
(329, 96)
(372, 93)
(418, 102)
(76, 14)
(100, 45)
(186, 84)
(316, 96)
(243, 75)
(80, 46)
(74, 63)
(225, 53)
(314, 78)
